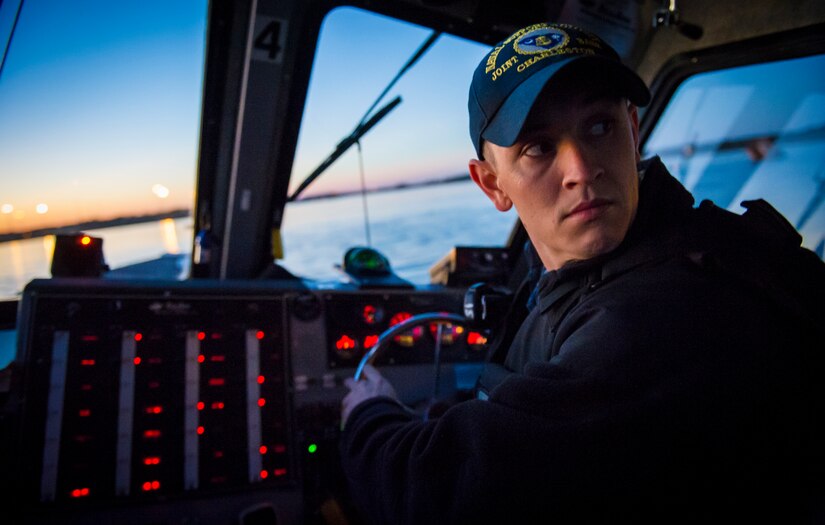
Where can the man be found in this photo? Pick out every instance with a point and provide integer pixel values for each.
(656, 379)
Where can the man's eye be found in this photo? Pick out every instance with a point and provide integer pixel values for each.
(601, 128)
(538, 149)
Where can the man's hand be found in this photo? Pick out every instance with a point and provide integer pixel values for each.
(372, 384)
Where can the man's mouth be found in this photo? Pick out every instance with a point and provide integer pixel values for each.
(589, 209)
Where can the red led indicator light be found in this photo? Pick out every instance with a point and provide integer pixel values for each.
(218, 358)
(80, 493)
(87, 362)
(259, 334)
(201, 358)
(261, 402)
(201, 336)
(149, 486)
(406, 339)
(217, 405)
(156, 409)
(262, 449)
(475, 338)
(370, 340)
(138, 336)
(400, 317)
(200, 405)
(89, 338)
(216, 381)
(85, 412)
(151, 460)
(200, 430)
(279, 472)
(151, 434)
(260, 380)
(370, 314)
(264, 474)
(136, 361)
(345, 342)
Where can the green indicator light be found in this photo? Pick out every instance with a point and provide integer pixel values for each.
(312, 448)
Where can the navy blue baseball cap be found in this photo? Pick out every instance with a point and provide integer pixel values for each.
(509, 79)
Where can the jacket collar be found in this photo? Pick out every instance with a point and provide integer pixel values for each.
(663, 202)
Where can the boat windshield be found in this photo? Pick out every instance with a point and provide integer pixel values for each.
(404, 188)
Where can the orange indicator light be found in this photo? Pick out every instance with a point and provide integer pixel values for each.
(85, 240)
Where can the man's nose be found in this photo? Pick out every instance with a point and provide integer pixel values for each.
(578, 162)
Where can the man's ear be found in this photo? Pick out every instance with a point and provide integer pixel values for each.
(633, 114)
(484, 174)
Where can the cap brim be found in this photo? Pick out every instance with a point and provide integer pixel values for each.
(505, 126)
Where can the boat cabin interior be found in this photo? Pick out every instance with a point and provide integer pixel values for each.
(332, 222)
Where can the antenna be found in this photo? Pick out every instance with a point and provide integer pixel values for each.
(11, 35)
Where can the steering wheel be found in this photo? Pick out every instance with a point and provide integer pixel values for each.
(438, 318)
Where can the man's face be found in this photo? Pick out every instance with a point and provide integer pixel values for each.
(571, 174)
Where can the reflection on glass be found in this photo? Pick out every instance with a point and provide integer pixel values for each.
(738, 134)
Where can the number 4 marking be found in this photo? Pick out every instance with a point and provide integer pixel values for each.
(270, 34)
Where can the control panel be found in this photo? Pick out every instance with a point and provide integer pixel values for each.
(204, 401)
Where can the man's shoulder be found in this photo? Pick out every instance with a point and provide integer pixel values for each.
(762, 249)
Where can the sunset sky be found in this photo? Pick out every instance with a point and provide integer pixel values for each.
(100, 107)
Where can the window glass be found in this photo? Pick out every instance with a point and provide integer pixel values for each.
(741, 134)
(416, 155)
(99, 123)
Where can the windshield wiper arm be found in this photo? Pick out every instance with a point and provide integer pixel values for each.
(365, 124)
(344, 145)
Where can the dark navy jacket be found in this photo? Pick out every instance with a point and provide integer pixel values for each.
(648, 385)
